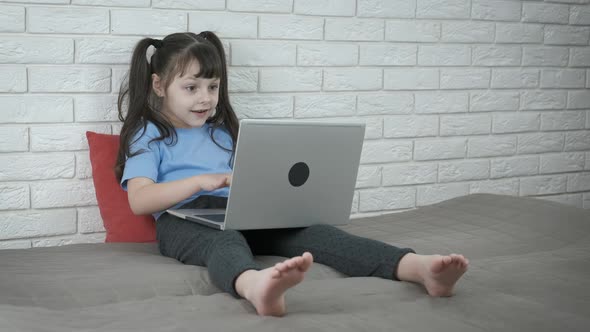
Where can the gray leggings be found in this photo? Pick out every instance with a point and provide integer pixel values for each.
(228, 253)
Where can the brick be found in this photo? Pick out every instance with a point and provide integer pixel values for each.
(412, 31)
(69, 240)
(111, 51)
(491, 146)
(67, 20)
(38, 166)
(545, 13)
(388, 55)
(443, 8)
(515, 78)
(495, 10)
(242, 80)
(432, 194)
(325, 7)
(563, 78)
(443, 148)
(69, 79)
(540, 142)
(353, 79)
(327, 55)
(578, 99)
(225, 25)
(13, 197)
(519, 33)
(36, 50)
(12, 19)
(563, 120)
(63, 137)
(514, 166)
(579, 15)
(562, 162)
(89, 220)
(189, 4)
(498, 187)
(497, 55)
(124, 3)
(410, 126)
(579, 56)
(275, 6)
(566, 35)
(441, 102)
(62, 193)
(516, 122)
(38, 223)
(290, 79)
(409, 173)
(543, 100)
(29, 109)
(491, 100)
(391, 103)
(368, 177)
(373, 127)
(354, 29)
(14, 79)
(542, 185)
(96, 108)
(570, 199)
(14, 139)
(459, 78)
(42, 1)
(463, 170)
(411, 79)
(577, 140)
(296, 27)
(459, 125)
(324, 106)
(386, 8)
(18, 244)
(83, 166)
(387, 199)
(153, 22)
(446, 55)
(545, 56)
(386, 151)
(255, 53)
(578, 182)
(262, 106)
(468, 32)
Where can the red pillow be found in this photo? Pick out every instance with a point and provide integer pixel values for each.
(118, 219)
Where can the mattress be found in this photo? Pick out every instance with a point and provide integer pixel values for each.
(529, 271)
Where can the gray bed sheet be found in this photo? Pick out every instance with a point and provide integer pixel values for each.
(529, 271)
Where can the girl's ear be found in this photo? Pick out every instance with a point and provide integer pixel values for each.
(157, 85)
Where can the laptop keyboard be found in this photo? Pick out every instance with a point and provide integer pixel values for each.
(220, 218)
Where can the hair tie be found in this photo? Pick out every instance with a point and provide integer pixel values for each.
(157, 43)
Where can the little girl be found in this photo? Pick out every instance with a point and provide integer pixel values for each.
(177, 145)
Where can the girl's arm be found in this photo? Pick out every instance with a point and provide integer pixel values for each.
(147, 197)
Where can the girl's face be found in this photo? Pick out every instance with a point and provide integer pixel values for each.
(189, 100)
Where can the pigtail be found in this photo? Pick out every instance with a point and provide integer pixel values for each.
(225, 114)
(134, 95)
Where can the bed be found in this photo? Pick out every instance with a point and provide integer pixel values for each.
(529, 271)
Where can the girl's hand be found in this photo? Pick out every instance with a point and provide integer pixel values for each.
(210, 182)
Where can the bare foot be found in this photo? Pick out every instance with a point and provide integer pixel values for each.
(266, 289)
(437, 273)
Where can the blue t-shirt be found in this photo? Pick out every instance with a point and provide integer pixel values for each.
(193, 154)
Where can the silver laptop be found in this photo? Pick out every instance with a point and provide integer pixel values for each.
(288, 173)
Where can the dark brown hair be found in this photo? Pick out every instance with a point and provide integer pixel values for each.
(172, 57)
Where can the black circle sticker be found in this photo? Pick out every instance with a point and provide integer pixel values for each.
(298, 174)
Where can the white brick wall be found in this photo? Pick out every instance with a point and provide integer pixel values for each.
(459, 96)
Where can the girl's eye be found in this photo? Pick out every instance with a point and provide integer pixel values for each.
(190, 88)
(214, 87)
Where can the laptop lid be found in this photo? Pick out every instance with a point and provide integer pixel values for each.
(293, 173)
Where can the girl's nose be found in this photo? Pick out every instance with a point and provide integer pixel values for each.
(203, 97)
